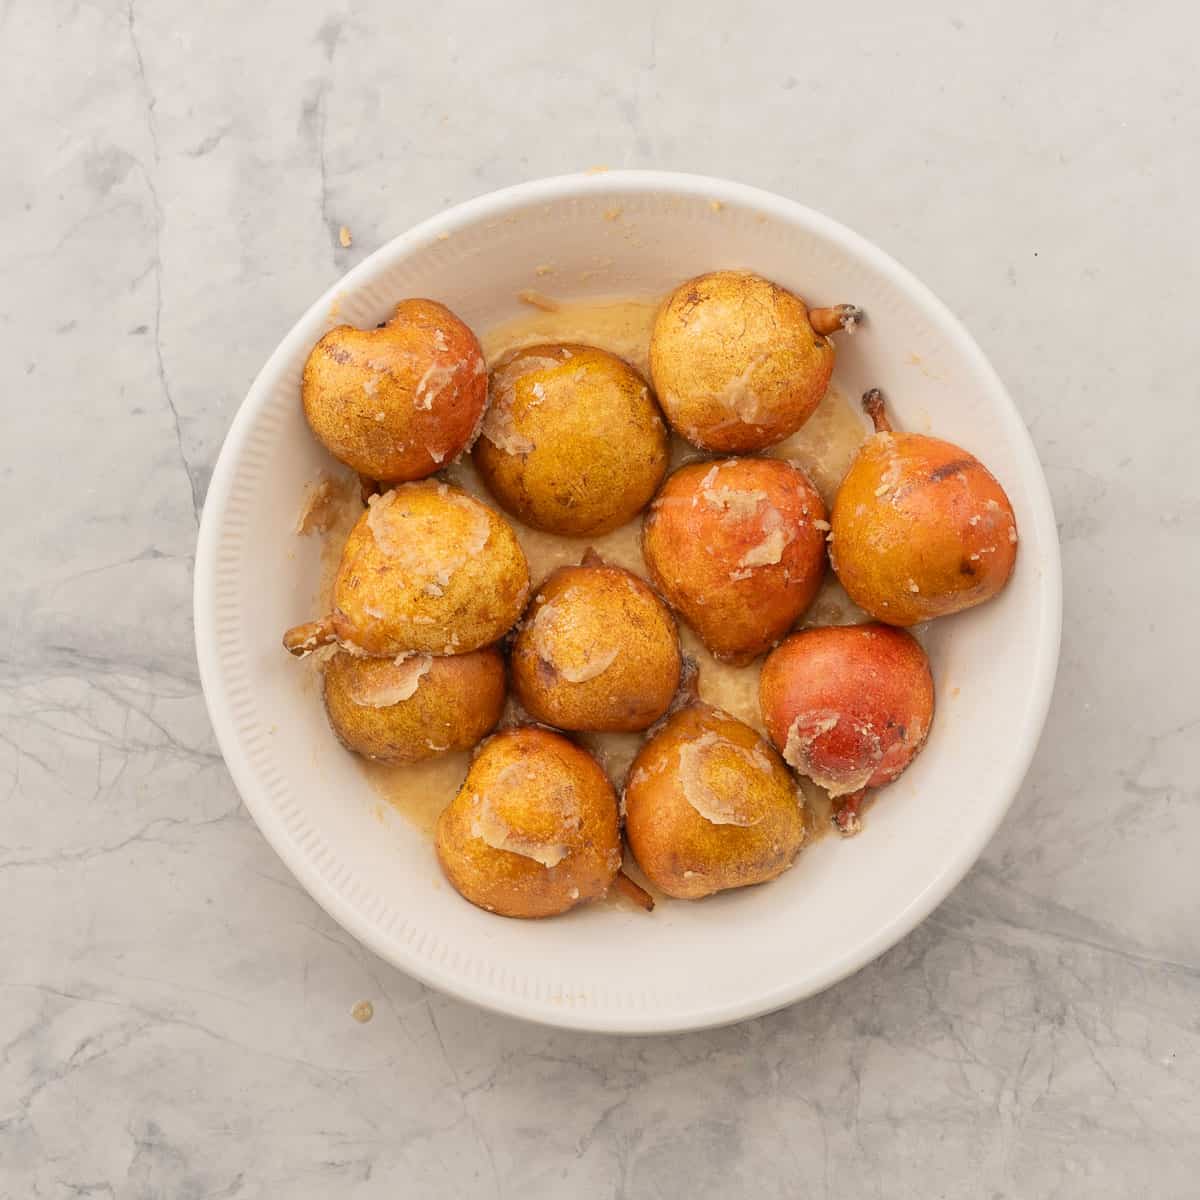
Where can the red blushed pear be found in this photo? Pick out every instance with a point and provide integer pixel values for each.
(737, 547)
(921, 528)
(848, 706)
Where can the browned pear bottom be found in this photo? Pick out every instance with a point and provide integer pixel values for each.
(573, 442)
(737, 547)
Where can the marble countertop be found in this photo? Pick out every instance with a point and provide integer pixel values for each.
(175, 1012)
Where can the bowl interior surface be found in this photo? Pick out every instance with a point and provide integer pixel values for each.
(605, 968)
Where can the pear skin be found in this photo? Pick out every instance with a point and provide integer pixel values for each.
(398, 402)
(426, 568)
(534, 830)
(921, 528)
(573, 442)
(597, 650)
(737, 547)
(739, 363)
(710, 806)
(416, 708)
(848, 706)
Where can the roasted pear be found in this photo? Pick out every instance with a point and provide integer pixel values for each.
(710, 806)
(397, 402)
(415, 707)
(534, 829)
(849, 706)
(921, 528)
(573, 442)
(428, 568)
(598, 650)
(740, 363)
(737, 547)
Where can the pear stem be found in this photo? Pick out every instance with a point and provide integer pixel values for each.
(830, 320)
(304, 639)
(872, 403)
(632, 891)
(688, 691)
(847, 813)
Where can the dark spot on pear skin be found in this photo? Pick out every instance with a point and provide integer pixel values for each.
(967, 567)
(950, 468)
(690, 301)
(339, 354)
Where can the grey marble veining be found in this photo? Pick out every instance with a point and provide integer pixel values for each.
(174, 1010)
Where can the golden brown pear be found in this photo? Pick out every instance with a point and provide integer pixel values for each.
(921, 528)
(573, 442)
(534, 829)
(427, 568)
(414, 708)
(598, 650)
(740, 363)
(399, 401)
(710, 806)
(849, 706)
(737, 547)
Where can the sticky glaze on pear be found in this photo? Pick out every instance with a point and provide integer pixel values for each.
(534, 829)
(849, 706)
(427, 568)
(397, 402)
(710, 806)
(598, 650)
(414, 708)
(740, 363)
(573, 442)
(737, 547)
(921, 528)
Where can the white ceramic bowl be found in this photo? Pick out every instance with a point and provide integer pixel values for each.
(603, 968)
